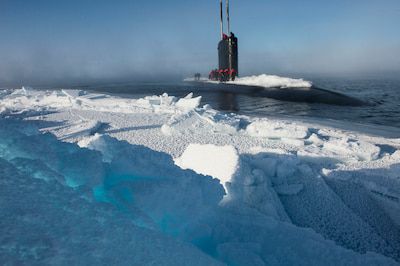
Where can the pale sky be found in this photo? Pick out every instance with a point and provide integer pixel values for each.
(50, 41)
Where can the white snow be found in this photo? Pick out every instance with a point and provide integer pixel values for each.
(217, 161)
(267, 81)
(276, 129)
(188, 103)
(40, 101)
(263, 80)
(272, 81)
(298, 192)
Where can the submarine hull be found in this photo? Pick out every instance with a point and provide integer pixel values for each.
(307, 94)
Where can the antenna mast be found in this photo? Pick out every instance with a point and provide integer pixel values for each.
(222, 19)
(227, 17)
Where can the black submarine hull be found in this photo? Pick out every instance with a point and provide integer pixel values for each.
(311, 94)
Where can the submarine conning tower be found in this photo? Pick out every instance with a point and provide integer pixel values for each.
(228, 63)
(228, 53)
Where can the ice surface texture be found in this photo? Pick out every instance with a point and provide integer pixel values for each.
(62, 204)
(300, 193)
(132, 206)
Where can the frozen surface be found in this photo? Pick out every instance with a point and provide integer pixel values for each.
(298, 192)
(46, 223)
(264, 80)
(218, 161)
(272, 81)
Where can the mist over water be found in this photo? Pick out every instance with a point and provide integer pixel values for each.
(82, 42)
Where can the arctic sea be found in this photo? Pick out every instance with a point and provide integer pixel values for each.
(382, 98)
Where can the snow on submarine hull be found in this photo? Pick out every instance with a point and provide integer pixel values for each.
(310, 94)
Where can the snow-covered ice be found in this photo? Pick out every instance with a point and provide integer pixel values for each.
(270, 81)
(220, 162)
(86, 176)
(266, 81)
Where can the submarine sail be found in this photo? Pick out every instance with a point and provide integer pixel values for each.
(228, 60)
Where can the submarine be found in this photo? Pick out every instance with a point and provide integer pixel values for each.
(228, 64)
(220, 79)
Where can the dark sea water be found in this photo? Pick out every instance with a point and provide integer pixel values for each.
(381, 97)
